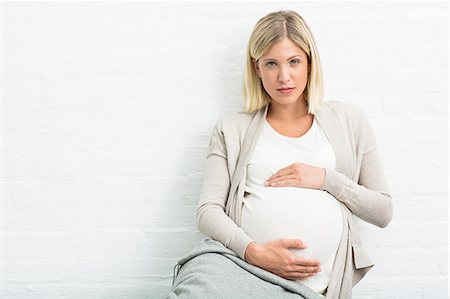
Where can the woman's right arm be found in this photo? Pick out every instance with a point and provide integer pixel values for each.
(212, 220)
(211, 217)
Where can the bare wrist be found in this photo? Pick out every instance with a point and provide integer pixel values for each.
(250, 251)
(324, 173)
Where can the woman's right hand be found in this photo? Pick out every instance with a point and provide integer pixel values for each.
(275, 257)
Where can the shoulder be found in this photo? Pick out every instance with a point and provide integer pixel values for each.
(352, 115)
(234, 122)
(347, 117)
(228, 133)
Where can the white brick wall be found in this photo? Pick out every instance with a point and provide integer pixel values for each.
(107, 110)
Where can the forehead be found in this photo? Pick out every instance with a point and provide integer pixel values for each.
(284, 48)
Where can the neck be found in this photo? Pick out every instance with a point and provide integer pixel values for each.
(290, 112)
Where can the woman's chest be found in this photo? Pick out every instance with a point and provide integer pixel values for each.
(274, 151)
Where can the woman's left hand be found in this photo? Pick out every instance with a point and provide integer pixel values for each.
(298, 175)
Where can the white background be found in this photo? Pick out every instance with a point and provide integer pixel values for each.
(107, 111)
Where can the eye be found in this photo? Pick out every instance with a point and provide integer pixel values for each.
(271, 64)
(295, 61)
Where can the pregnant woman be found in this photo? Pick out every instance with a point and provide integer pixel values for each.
(284, 182)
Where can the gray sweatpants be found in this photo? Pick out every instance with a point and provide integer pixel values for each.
(211, 270)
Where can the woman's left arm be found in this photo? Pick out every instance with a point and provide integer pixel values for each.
(369, 198)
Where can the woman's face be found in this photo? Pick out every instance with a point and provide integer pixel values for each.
(284, 72)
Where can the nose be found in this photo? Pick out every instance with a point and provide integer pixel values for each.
(284, 74)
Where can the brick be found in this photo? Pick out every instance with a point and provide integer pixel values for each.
(399, 182)
(66, 92)
(44, 245)
(119, 163)
(68, 217)
(389, 131)
(28, 270)
(378, 287)
(430, 131)
(15, 95)
(421, 162)
(393, 157)
(410, 209)
(31, 290)
(414, 261)
(431, 235)
(177, 244)
(57, 165)
(8, 246)
(399, 288)
(443, 262)
(30, 193)
(119, 191)
(25, 118)
(124, 243)
(106, 89)
(96, 269)
(141, 267)
(430, 156)
(120, 217)
(75, 192)
(87, 138)
(83, 245)
(430, 181)
(31, 140)
(435, 287)
(76, 116)
(18, 219)
(402, 106)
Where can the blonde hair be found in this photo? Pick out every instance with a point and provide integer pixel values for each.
(268, 31)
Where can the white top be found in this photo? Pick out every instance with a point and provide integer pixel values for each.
(312, 215)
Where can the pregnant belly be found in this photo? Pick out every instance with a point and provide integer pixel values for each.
(313, 216)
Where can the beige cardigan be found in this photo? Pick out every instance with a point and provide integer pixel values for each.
(358, 183)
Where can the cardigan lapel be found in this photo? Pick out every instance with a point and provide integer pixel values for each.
(236, 193)
(330, 126)
(345, 164)
(251, 137)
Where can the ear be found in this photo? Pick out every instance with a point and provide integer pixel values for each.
(256, 67)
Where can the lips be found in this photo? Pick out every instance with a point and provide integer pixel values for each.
(285, 89)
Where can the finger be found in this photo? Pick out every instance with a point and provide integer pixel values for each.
(282, 171)
(283, 178)
(294, 243)
(304, 269)
(286, 183)
(307, 262)
(279, 175)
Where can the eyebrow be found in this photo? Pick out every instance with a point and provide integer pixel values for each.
(286, 59)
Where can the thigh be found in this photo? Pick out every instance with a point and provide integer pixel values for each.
(215, 276)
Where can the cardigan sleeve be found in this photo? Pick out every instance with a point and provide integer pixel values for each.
(369, 198)
(211, 217)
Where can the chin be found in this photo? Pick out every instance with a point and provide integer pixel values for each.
(286, 101)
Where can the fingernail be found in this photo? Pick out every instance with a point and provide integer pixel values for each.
(266, 183)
